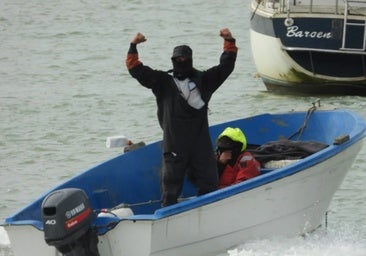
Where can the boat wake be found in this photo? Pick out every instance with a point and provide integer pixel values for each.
(340, 241)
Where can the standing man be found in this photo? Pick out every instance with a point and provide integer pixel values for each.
(182, 96)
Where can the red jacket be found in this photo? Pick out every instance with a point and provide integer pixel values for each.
(245, 167)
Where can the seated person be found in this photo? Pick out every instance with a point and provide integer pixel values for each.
(234, 164)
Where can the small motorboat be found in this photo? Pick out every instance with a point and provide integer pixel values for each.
(114, 208)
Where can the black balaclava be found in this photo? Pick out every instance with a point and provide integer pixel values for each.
(182, 69)
(225, 143)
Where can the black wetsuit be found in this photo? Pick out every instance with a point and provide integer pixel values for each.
(187, 147)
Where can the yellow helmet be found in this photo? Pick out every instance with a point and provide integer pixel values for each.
(234, 134)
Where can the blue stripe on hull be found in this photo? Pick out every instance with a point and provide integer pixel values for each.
(317, 33)
(331, 64)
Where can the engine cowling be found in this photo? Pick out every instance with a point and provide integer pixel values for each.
(67, 217)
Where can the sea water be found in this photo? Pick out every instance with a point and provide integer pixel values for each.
(64, 89)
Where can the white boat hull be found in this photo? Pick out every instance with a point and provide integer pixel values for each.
(293, 205)
(279, 65)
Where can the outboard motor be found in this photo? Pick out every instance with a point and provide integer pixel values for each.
(67, 217)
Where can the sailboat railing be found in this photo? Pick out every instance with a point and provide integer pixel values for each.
(353, 7)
